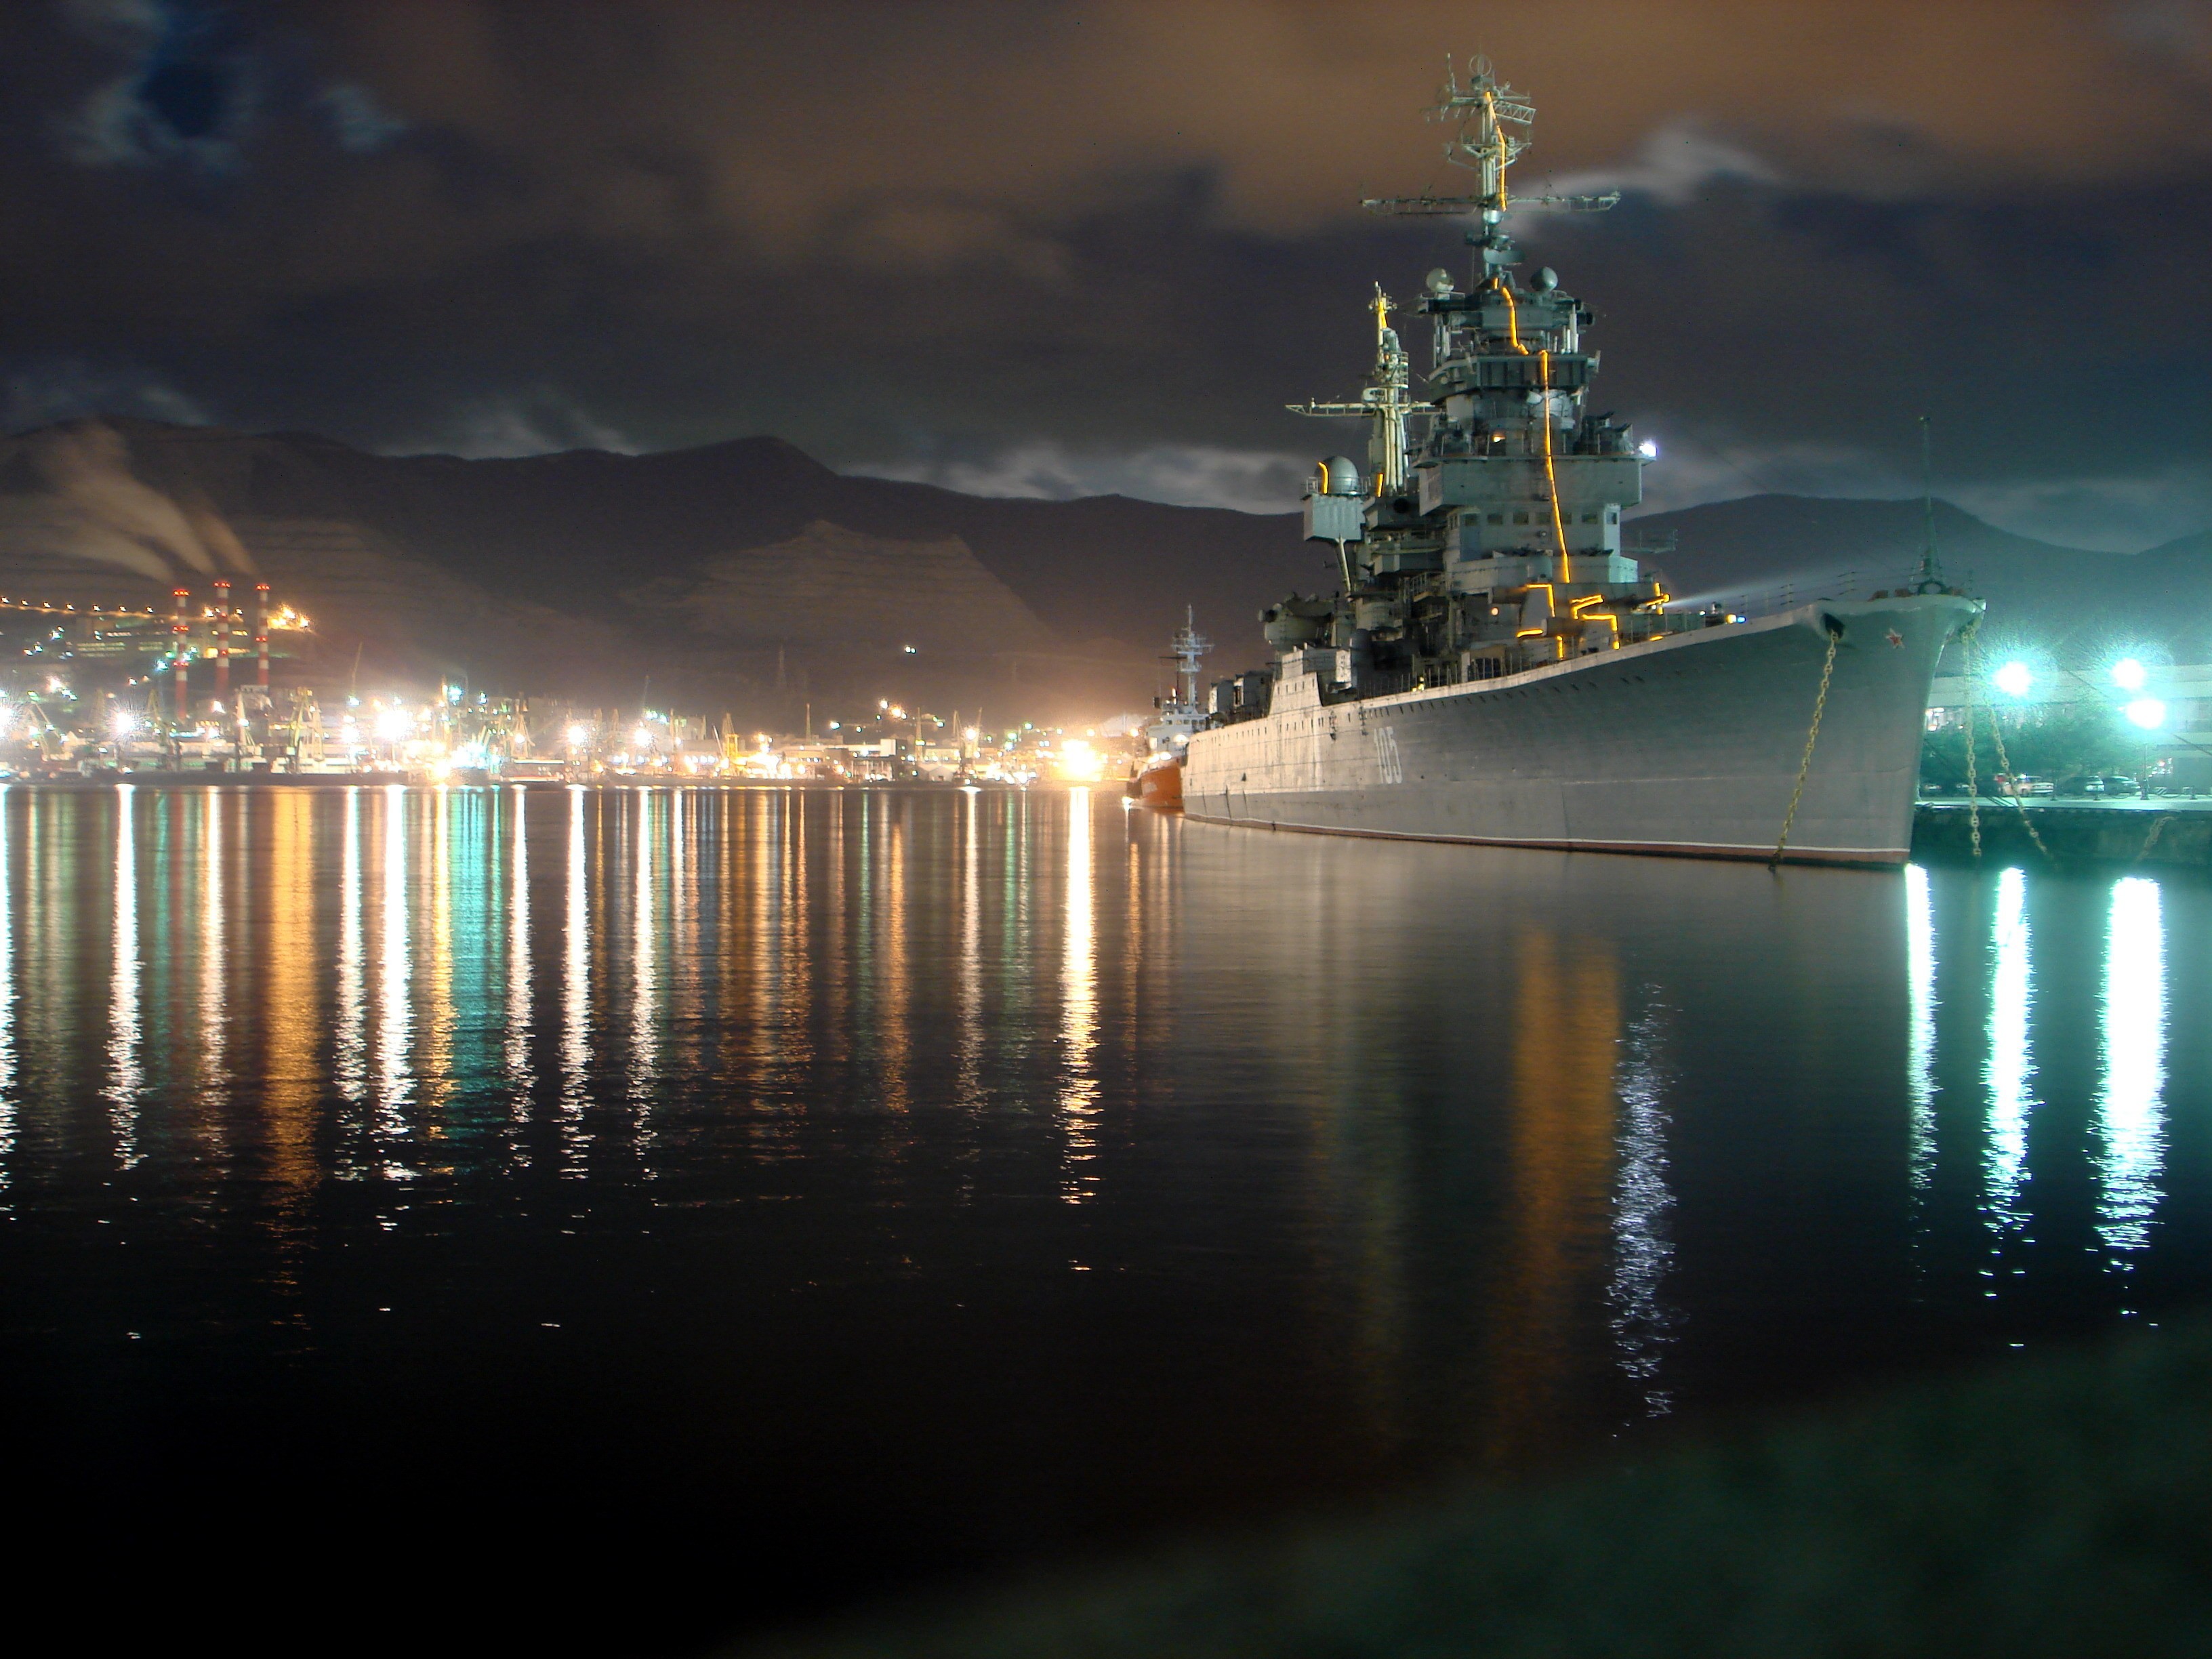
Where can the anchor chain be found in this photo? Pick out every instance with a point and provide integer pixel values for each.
(1974, 782)
(1812, 737)
(1996, 737)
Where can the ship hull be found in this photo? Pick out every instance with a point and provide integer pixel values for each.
(1689, 745)
(1159, 784)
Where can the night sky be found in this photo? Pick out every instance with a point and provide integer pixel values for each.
(1061, 249)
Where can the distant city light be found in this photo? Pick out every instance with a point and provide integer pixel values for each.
(2013, 679)
(2128, 674)
(2148, 713)
(1648, 449)
(908, 649)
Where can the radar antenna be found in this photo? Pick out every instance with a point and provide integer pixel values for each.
(1480, 111)
(1387, 400)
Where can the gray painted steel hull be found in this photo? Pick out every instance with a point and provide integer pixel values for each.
(1689, 744)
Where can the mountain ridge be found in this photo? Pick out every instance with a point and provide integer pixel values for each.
(585, 571)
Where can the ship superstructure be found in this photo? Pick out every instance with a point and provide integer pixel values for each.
(1481, 577)
(1158, 779)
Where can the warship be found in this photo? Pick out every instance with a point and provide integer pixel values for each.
(1493, 668)
(1156, 778)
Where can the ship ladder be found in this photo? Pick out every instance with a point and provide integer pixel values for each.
(1804, 766)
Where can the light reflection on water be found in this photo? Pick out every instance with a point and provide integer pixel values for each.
(2009, 1068)
(2130, 1106)
(1202, 1167)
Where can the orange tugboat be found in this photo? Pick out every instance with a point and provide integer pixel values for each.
(1158, 779)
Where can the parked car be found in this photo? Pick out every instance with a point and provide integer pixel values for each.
(2121, 786)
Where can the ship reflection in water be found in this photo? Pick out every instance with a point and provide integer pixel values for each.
(856, 1185)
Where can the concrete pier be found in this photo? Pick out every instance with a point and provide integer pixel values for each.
(2161, 830)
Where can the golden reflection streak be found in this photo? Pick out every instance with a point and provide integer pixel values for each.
(1079, 1095)
(394, 1014)
(1565, 1044)
(795, 968)
(680, 1009)
(213, 955)
(434, 1062)
(895, 1006)
(126, 1075)
(2130, 1105)
(575, 988)
(2009, 1071)
(518, 954)
(351, 1056)
(290, 1023)
(7, 993)
(645, 1052)
(767, 1003)
(1920, 988)
(970, 997)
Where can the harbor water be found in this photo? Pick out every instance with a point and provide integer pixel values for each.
(621, 1219)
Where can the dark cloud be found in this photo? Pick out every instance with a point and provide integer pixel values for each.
(1047, 248)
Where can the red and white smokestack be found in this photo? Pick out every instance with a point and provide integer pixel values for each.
(181, 629)
(261, 634)
(222, 640)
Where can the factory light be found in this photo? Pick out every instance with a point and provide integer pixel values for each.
(2013, 679)
(579, 735)
(969, 733)
(393, 725)
(123, 722)
(1079, 763)
(2128, 674)
(2148, 713)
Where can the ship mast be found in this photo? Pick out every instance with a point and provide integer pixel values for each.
(1190, 647)
(1930, 578)
(1387, 400)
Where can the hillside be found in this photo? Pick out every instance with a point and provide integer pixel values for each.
(724, 573)
(748, 576)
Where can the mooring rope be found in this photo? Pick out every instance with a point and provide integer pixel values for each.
(1812, 737)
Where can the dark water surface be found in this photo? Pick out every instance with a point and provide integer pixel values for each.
(608, 1220)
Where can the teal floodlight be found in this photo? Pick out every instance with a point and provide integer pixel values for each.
(2013, 679)
(2128, 674)
(2148, 713)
